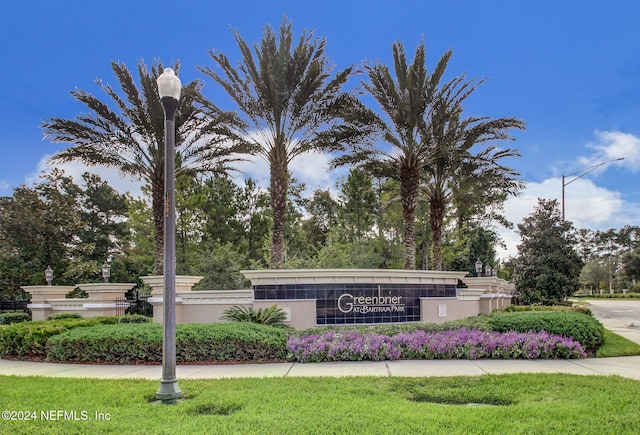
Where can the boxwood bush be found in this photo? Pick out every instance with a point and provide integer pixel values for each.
(479, 323)
(27, 340)
(9, 318)
(136, 343)
(587, 330)
(520, 308)
(60, 316)
(134, 318)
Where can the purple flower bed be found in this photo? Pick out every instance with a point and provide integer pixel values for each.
(454, 344)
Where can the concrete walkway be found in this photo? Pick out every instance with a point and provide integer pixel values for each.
(623, 366)
(628, 367)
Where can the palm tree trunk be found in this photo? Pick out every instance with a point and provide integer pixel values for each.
(436, 219)
(157, 205)
(409, 183)
(279, 183)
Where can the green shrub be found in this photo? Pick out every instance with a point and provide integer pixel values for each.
(481, 323)
(9, 318)
(134, 318)
(610, 296)
(29, 339)
(131, 343)
(588, 331)
(273, 315)
(520, 308)
(60, 316)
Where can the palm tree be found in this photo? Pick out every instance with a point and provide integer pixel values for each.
(405, 100)
(130, 136)
(290, 107)
(452, 167)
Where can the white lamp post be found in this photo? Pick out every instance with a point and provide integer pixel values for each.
(106, 271)
(48, 275)
(478, 267)
(169, 87)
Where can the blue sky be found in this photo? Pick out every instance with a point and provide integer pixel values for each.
(570, 69)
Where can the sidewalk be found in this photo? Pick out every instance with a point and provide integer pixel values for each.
(628, 367)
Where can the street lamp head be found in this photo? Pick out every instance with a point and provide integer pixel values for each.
(48, 275)
(169, 84)
(478, 267)
(106, 271)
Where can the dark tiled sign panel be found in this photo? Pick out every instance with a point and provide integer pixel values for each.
(339, 304)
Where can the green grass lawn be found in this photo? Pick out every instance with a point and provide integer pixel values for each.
(616, 345)
(524, 403)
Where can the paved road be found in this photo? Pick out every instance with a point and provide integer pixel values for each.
(621, 316)
(623, 310)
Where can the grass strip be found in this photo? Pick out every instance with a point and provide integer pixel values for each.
(514, 404)
(616, 345)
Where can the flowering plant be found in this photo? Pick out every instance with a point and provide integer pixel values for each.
(454, 344)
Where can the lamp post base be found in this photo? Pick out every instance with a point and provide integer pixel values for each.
(169, 392)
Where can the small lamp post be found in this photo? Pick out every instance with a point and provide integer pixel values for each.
(169, 88)
(488, 270)
(478, 267)
(48, 275)
(106, 271)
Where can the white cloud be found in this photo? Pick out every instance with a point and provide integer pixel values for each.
(253, 167)
(113, 177)
(586, 205)
(312, 169)
(612, 145)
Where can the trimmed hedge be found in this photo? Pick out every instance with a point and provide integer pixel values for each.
(478, 323)
(28, 339)
(60, 316)
(135, 343)
(134, 318)
(520, 308)
(9, 318)
(587, 330)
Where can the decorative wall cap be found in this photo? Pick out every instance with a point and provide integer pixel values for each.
(492, 283)
(106, 287)
(75, 303)
(180, 279)
(48, 289)
(160, 300)
(363, 276)
(217, 297)
(104, 306)
(38, 306)
(470, 293)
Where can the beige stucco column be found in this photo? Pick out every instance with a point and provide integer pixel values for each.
(102, 297)
(184, 284)
(39, 306)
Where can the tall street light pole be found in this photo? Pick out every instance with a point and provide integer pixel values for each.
(579, 174)
(169, 87)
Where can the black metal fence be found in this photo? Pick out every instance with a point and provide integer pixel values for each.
(14, 306)
(139, 305)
